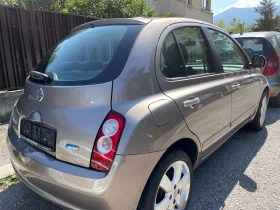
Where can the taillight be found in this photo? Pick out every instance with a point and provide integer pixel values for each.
(272, 66)
(107, 141)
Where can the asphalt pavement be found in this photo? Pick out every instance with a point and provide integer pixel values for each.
(243, 174)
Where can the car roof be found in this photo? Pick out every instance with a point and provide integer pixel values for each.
(262, 34)
(140, 21)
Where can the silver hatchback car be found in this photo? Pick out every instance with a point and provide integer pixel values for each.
(268, 45)
(120, 113)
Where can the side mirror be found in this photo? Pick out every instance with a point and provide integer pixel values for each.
(258, 61)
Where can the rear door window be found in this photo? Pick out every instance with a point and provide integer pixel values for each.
(89, 56)
(228, 52)
(255, 46)
(195, 50)
(188, 55)
(172, 65)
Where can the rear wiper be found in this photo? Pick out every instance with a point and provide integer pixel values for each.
(40, 76)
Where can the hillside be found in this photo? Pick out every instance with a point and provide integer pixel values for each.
(247, 15)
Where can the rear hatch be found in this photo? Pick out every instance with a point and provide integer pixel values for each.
(261, 46)
(256, 46)
(68, 95)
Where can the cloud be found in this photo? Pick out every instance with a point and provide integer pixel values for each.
(246, 3)
(242, 4)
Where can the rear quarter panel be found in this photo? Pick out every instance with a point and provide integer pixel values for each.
(135, 89)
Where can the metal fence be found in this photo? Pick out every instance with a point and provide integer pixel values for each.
(25, 37)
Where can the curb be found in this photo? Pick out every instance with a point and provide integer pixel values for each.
(6, 170)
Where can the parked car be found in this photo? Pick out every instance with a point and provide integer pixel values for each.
(267, 44)
(119, 113)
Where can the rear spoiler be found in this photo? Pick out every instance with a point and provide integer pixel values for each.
(113, 21)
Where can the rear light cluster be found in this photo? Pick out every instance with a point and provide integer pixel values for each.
(107, 140)
(272, 66)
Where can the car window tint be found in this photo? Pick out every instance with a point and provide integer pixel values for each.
(274, 42)
(172, 65)
(255, 46)
(195, 51)
(90, 56)
(278, 37)
(229, 54)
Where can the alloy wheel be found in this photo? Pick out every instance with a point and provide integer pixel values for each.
(174, 188)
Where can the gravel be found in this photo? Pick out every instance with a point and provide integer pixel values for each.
(243, 174)
(4, 154)
(19, 197)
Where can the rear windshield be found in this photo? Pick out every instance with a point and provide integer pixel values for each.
(256, 46)
(90, 56)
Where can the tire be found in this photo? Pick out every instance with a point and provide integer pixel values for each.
(275, 101)
(259, 119)
(164, 177)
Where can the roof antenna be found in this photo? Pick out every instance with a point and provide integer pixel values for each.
(241, 32)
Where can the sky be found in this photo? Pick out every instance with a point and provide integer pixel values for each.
(219, 6)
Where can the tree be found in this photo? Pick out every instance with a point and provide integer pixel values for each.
(277, 20)
(235, 26)
(96, 8)
(267, 21)
(110, 8)
(136, 8)
(48, 5)
(221, 24)
(10, 3)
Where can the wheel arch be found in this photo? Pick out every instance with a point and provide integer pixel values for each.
(266, 89)
(187, 145)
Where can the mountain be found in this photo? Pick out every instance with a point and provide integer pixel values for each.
(247, 15)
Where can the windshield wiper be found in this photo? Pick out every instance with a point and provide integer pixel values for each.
(40, 76)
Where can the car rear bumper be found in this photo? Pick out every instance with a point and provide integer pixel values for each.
(74, 187)
(274, 88)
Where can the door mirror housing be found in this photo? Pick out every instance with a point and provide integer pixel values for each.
(258, 61)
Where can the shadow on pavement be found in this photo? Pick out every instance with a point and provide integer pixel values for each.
(217, 176)
(271, 117)
(20, 197)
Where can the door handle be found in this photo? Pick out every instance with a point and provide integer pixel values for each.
(235, 86)
(192, 102)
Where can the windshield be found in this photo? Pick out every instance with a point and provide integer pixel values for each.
(255, 46)
(90, 56)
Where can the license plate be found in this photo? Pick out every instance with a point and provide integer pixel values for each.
(38, 135)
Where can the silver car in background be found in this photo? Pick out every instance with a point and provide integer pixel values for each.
(119, 114)
(268, 45)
